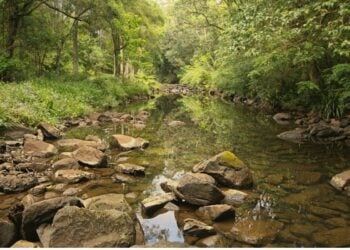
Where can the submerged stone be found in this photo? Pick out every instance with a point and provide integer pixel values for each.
(128, 143)
(338, 237)
(341, 180)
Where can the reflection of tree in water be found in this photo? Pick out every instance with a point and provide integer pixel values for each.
(155, 233)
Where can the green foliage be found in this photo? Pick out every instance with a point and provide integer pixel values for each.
(51, 99)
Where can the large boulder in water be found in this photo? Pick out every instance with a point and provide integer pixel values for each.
(227, 169)
(108, 202)
(43, 212)
(90, 156)
(125, 142)
(198, 189)
(297, 135)
(39, 148)
(71, 176)
(80, 227)
(216, 212)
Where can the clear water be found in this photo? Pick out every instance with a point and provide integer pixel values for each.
(291, 181)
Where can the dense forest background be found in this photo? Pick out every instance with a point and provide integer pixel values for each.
(93, 53)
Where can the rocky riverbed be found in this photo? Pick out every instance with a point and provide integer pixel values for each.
(171, 172)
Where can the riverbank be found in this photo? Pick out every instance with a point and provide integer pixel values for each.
(53, 99)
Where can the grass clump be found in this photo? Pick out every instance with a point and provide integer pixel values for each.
(51, 99)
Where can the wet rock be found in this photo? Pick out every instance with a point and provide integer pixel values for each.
(174, 124)
(17, 182)
(51, 195)
(323, 131)
(39, 149)
(297, 135)
(7, 233)
(58, 187)
(108, 202)
(38, 166)
(340, 181)
(151, 204)
(315, 193)
(338, 237)
(104, 118)
(66, 163)
(121, 178)
(171, 185)
(127, 142)
(90, 156)
(38, 190)
(214, 241)
(29, 200)
(132, 169)
(25, 244)
(65, 155)
(73, 144)
(282, 118)
(43, 212)
(80, 227)
(171, 207)
(227, 169)
(234, 197)
(256, 232)
(197, 228)
(198, 189)
(216, 212)
(70, 176)
(50, 132)
(72, 192)
(163, 244)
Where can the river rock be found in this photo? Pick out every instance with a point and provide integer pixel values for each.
(108, 202)
(29, 200)
(171, 185)
(66, 163)
(73, 144)
(39, 149)
(37, 166)
(340, 181)
(127, 142)
(282, 118)
(50, 132)
(197, 228)
(234, 197)
(151, 204)
(216, 212)
(17, 182)
(171, 207)
(80, 227)
(256, 232)
(132, 169)
(71, 176)
(38, 190)
(307, 177)
(198, 189)
(72, 192)
(297, 135)
(163, 244)
(90, 156)
(25, 244)
(7, 233)
(227, 169)
(338, 237)
(43, 212)
(214, 241)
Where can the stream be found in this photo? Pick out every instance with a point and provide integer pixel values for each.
(291, 181)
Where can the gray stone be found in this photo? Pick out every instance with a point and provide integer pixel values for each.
(151, 204)
(132, 169)
(70, 176)
(80, 227)
(39, 149)
(127, 142)
(43, 212)
(73, 144)
(234, 197)
(50, 132)
(15, 183)
(227, 169)
(90, 156)
(197, 228)
(196, 189)
(66, 163)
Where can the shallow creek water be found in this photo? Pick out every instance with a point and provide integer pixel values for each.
(291, 181)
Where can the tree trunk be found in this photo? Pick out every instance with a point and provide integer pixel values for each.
(75, 48)
(116, 53)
